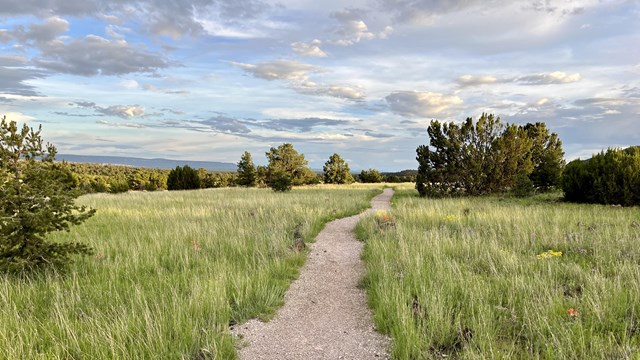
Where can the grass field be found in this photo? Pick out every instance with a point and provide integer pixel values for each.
(171, 271)
(502, 278)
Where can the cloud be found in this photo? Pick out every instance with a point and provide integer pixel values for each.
(600, 102)
(14, 74)
(423, 12)
(94, 55)
(556, 77)
(309, 49)
(333, 90)
(297, 74)
(278, 70)
(36, 33)
(471, 80)
(420, 103)
(351, 29)
(166, 18)
(152, 88)
(123, 111)
(128, 125)
(129, 84)
(384, 34)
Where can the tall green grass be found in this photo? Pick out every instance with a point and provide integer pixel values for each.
(462, 278)
(172, 271)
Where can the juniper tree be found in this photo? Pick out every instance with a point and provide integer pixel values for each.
(336, 171)
(36, 198)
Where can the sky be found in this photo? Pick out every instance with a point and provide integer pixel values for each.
(210, 79)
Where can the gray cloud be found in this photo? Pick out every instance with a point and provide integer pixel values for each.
(170, 18)
(13, 76)
(94, 55)
(421, 103)
(556, 77)
(225, 125)
(123, 111)
(36, 33)
(600, 102)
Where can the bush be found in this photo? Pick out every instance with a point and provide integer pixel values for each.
(523, 187)
(183, 178)
(280, 181)
(611, 177)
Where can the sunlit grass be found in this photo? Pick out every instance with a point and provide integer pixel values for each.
(469, 278)
(171, 271)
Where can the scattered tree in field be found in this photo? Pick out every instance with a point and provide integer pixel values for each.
(36, 197)
(287, 168)
(246, 170)
(183, 178)
(261, 176)
(611, 177)
(370, 176)
(336, 171)
(486, 157)
(547, 156)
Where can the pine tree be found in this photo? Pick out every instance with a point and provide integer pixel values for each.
(36, 198)
(246, 170)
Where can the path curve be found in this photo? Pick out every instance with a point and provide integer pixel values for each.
(325, 315)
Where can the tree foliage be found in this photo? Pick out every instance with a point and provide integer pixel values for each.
(287, 168)
(336, 171)
(36, 197)
(547, 156)
(246, 170)
(611, 177)
(370, 176)
(183, 178)
(486, 156)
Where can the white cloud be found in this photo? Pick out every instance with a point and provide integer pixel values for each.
(471, 80)
(129, 84)
(421, 103)
(309, 49)
(17, 116)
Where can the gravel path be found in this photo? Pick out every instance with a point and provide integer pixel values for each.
(325, 315)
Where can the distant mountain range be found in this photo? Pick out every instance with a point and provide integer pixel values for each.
(147, 163)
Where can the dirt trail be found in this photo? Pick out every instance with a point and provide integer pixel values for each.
(325, 315)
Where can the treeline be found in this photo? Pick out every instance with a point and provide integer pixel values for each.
(486, 157)
(611, 177)
(93, 178)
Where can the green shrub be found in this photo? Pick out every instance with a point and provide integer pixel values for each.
(611, 177)
(183, 178)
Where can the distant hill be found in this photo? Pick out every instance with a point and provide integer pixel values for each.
(147, 163)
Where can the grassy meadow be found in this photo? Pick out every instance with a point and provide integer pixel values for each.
(171, 272)
(505, 278)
